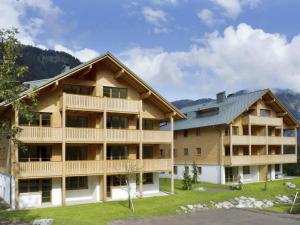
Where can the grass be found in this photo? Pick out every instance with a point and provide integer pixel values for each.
(102, 213)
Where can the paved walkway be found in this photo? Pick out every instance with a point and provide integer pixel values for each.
(218, 217)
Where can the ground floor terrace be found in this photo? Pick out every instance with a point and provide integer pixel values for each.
(47, 192)
(224, 174)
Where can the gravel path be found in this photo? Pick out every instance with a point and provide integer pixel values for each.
(218, 217)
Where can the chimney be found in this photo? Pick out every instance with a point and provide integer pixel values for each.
(66, 67)
(221, 96)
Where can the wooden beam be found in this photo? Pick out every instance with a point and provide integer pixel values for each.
(88, 69)
(171, 114)
(270, 101)
(54, 86)
(146, 94)
(282, 114)
(119, 74)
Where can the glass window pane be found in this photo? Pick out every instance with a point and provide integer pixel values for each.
(46, 119)
(23, 186)
(106, 91)
(123, 93)
(33, 185)
(115, 92)
(115, 122)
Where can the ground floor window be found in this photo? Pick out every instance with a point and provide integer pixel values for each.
(29, 186)
(199, 168)
(37, 185)
(76, 183)
(277, 167)
(148, 178)
(119, 180)
(175, 170)
(246, 170)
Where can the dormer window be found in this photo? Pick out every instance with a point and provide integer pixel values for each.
(207, 112)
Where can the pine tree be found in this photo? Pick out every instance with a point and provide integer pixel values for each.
(187, 181)
(195, 173)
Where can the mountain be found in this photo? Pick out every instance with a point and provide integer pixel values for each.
(44, 63)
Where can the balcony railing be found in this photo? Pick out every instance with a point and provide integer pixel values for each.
(260, 120)
(90, 167)
(260, 140)
(92, 135)
(95, 103)
(259, 159)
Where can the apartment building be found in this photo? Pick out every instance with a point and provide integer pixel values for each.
(96, 131)
(245, 136)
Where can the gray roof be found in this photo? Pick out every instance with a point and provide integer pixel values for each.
(229, 109)
(36, 83)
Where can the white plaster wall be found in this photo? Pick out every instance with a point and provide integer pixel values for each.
(272, 172)
(121, 192)
(252, 177)
(56, 192)
(151, 188)
(84, 195)
(5, 187)
(210, 173)
(30, 200)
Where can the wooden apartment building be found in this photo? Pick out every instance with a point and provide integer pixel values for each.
(93, 125)
(247, 135)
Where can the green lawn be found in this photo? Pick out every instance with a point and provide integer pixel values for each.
(101, 213)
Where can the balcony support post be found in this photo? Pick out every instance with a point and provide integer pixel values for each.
(230, 139)
(104, 186)
(250, 136)
(281, 137)
(267, 140)
(296, 141)
(141, 188)
(63, 183)
(172, 153)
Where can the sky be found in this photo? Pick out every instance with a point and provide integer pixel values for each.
(185, 49)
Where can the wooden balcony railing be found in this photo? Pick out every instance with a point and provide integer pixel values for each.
(125, 136)
(84, 134)
(260, 120)
(259, 140)
(38, 169)
(40, 134)
(95, 103)
(259, 159)
(90, 167)
(151, 136)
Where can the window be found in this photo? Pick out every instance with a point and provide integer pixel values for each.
(114, 92)
(76, 121)
(117, 152)
(175, 135)
(119, 180)
(186, 151)
(162, 153)
(246, 170)
(148, 178)
(175, 170)
(227, 131)
(289, 149)
(199, 168)
(198, 132)
(117, 122)
(80, 90)
(265, 112)
(148, 152)
(277, 168)
(35, 153)
(227, 151)
(198, 151)
(185, 133)
(28, 185)
(235, 150)
(76, 183)
(39, 119)
(235, 130)
(147, 124)
(245, 131)
(76, 153)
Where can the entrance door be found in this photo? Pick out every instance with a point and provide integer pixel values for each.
(231, 174)
(46, 190)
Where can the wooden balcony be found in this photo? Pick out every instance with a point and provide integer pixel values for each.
(90, 167)
(92, 135)
(259, 140)
(259, 159)
(40, 134)
(95, 103)
(260, 120)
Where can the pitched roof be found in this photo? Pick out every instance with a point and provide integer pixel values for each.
(226, 111)
(40, 84)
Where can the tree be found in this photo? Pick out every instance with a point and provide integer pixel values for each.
(187, 181)
(10, 85)
(195, 173)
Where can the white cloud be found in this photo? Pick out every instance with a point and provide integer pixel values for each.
(157, 18)
(165, 2)
(232, 8)
(208, 17)
(83, 54)
(240, 58)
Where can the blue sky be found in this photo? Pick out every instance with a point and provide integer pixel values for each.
(183, 48)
